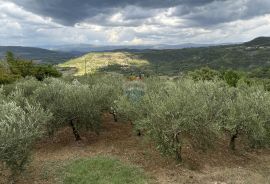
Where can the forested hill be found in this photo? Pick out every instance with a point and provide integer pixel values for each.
(246, 56)
(260, 41)
(37, 54)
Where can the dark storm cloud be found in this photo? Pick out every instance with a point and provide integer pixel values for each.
(69, 12)
(224, 11)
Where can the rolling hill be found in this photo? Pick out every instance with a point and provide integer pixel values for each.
(246, 56)
(37, 54)
(259, 42)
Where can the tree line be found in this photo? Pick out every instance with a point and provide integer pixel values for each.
(12, 69)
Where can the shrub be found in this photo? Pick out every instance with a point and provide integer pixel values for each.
(232, 77)
(19, 130)
(40, 72)
(204, 73)
(6, 77)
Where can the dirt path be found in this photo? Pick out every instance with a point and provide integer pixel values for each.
(118, 140)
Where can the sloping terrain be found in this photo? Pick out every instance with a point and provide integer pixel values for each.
(260, 41)
(245, 57)
(104, 61)
(38, 54)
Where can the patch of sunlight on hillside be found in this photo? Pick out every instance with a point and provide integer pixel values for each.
(92, 62)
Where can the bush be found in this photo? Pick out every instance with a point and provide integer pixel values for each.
(40, 72)
(205, 73)
(6, 77)
(232, 77)
(19, 130)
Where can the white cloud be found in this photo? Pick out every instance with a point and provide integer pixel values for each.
(113, 36)
(137, 41)
(138, 25)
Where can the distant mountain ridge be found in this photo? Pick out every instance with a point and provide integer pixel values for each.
(84, 48)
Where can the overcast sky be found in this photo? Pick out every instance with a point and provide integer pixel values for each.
(118, 22)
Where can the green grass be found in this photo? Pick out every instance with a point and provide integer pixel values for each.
(103, 170)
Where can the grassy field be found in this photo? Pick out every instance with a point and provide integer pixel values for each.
(102, 170)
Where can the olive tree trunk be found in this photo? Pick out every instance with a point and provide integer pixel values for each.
(75, 131)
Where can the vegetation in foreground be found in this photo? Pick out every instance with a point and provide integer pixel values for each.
(185, 112)
(174, 114)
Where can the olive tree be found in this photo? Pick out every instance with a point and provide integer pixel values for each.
(177, 113)
(20, 128)
(110, 90)
(75, 104)
(129, 104)
(246, 113)
(26, 86)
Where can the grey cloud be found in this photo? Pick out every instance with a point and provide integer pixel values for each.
(219, 12)
(69, 12)
(157, 21)
(197, 12)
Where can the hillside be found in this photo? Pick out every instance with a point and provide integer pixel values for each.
(37, 54)
(259, 42)
(105, 61)
(245, 56)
